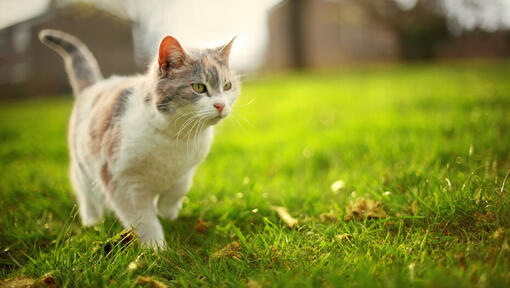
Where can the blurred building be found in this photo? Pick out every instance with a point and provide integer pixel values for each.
(326, 34)
(27, 67)
(426, 33)
(331, 33)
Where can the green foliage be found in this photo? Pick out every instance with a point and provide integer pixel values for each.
(431, 143)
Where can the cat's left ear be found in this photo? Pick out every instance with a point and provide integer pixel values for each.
(225, 50)
(171, 54)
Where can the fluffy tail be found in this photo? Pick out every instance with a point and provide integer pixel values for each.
(81, 66)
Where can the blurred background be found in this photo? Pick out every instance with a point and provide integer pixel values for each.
(273, 35)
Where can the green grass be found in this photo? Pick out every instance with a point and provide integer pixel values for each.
(430, 142)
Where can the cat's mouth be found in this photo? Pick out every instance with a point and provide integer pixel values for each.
(217, 118)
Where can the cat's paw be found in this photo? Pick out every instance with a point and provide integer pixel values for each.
(154, 243)
(152, 238)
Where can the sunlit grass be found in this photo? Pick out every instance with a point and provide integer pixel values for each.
(431, 143)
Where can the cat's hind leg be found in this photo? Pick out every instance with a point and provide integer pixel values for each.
(90, 200)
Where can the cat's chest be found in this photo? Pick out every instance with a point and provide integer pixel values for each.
(159, 158)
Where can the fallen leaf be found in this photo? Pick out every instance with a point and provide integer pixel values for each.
(328, 217)
(498, 233)
(487, 217)
(122, 240)
(47, 281)
(253, 284)
(389, 223)
(201, 226)
(505, 246)
(144, 280)
(341, 237)
(462, 260)
(337, 186)
(414, 208)
(365, 208)
(231, 250)
(285, 216)
(17, 282)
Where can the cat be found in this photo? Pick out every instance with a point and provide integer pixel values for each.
(135, 142)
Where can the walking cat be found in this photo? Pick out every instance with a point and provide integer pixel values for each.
(139, 138)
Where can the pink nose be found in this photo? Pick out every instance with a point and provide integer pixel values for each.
(219, 106)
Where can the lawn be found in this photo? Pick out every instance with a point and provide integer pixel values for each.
(430, 144)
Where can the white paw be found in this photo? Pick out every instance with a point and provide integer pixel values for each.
(151, 234)
(88, 220)
(155, 243)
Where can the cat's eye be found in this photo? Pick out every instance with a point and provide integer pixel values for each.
(199, 88)
(227, 86)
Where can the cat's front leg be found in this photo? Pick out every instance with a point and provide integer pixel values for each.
(170, 202)
(169, 207)
(135, 208)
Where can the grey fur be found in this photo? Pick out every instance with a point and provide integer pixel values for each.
(197, 68)
(171, 98)
(120, 106)
(206, 66)
(81, 66)
(213, 77)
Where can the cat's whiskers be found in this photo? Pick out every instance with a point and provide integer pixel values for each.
(234, 118)
(199, 129)
(183, 115)
(190, 132)
(193, 120)
(244, 105)
(244, 76)
(183, 127)
(189, 121)
(236, 113)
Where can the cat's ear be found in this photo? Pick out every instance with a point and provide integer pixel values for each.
(171, 54)
(225, 49)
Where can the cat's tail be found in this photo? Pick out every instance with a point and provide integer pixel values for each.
(81, 66)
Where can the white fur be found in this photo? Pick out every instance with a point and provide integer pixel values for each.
(151, 161)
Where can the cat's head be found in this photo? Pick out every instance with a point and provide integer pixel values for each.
(198, 82)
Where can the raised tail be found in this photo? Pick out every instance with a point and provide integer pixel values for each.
(81, 66)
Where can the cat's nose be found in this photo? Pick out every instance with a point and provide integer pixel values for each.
(219, 106)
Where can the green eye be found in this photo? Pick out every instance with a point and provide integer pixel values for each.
(199, 88)
(227, 86)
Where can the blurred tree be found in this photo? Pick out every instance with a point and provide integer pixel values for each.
(297, 8)
(420, 29)
(427, 26)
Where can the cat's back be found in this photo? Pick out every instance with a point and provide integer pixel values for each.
(101, 93)
(98, 112)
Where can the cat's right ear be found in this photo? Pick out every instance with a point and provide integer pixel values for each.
(171, 54)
